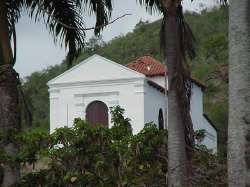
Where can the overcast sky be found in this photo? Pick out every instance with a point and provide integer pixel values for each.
(36, 49)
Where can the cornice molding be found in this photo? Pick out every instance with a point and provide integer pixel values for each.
(95, 83)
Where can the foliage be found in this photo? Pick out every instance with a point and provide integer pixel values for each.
(83, 155)
(200, 135)
(207, 170)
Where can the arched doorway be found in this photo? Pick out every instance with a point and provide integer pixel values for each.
(161, 119)
(97, 113)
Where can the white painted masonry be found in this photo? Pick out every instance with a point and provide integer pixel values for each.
(100, 79)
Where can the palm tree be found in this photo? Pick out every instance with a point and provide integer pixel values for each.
(64, 21)
(177, 42)
(239, 94)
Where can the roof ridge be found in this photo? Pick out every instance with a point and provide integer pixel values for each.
(147, 65)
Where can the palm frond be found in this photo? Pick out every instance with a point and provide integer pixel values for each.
(101, 8)
(224, 2)
(66, 12)
(181, 83)
(187, 39)
(151, 5)
(63, 18)
(14, 8)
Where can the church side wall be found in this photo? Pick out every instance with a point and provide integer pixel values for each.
(154, 101)
(197, 107)
(199, 121)
(210, 139)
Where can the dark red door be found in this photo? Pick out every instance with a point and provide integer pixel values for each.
(97, 113)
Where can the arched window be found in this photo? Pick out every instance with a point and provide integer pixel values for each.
(97, 113)
(161, 119)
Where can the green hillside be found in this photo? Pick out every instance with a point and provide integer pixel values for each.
(210, 65)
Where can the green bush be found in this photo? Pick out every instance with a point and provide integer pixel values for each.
(83, 155)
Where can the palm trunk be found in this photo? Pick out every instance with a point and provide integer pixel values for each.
(176, 139)
(5, 46)
(9, 105)
(239, 94)
(9, 119)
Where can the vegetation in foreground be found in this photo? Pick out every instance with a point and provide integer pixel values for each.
(84, 155)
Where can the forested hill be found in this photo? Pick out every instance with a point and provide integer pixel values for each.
(210, 65)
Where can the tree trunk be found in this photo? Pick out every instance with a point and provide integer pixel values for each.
(5, 46)
(176, 139)
(9, 120)
(239, 94)
(9, 105)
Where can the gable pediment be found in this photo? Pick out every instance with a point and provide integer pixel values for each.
(95, 68)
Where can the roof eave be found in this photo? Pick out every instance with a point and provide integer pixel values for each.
(210, 121)
(156, 86)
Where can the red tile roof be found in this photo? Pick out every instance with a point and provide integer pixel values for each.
(152, 67)
(148, 66)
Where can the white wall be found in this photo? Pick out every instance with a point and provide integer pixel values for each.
(196, 106)
(154, 100)
(199, 121)
(70, 102)
(210, 139)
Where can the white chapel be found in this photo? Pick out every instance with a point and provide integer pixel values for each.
(89, 89)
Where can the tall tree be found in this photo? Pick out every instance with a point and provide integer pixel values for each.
(177, 42)
(239, 94)
(64, 20)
